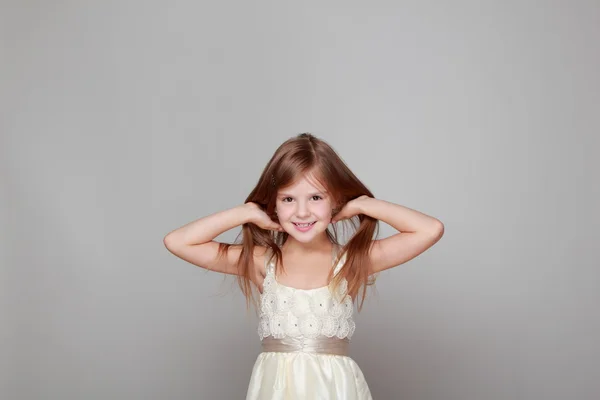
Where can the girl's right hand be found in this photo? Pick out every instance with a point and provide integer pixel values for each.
(260, 218)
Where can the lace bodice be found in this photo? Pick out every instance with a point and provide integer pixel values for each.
(291, 312)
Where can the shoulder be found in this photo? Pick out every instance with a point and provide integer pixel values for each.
(261, 255)
(258, 260)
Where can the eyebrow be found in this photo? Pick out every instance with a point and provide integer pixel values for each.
(309, 195)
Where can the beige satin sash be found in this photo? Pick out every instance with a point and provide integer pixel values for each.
(321, 345)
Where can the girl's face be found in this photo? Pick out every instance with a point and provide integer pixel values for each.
(304, 210)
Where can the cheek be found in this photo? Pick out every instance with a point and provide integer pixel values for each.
(323, 211)
(284, 213)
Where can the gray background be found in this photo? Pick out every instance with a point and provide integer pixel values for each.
(121, 121)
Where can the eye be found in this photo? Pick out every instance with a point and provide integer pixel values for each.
(285, 199)
(317, 197)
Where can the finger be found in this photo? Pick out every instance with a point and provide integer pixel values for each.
(337, 218)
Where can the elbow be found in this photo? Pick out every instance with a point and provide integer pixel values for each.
(437, 230)
(169, 241)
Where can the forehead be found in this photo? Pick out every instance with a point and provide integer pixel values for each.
(305, 184)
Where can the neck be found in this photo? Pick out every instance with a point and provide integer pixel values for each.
(322, 243)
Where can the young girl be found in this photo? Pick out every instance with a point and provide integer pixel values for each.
(308, 281)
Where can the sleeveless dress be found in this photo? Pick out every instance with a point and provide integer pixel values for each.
(305, 336)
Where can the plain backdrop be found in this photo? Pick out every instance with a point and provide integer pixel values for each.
(123, 120)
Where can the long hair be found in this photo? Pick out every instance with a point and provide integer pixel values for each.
(299, 156)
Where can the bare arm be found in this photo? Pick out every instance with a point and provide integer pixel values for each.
(417, 231)
(194, 242)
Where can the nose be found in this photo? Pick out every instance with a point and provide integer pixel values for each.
(302, 211)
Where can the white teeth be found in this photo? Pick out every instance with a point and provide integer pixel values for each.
(304, 225)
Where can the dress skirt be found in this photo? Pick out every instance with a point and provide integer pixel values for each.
(305, 375)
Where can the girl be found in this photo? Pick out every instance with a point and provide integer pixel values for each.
(305, 308)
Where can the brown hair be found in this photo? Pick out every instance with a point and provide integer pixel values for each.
(298, 156)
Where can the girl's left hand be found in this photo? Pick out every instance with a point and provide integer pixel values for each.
(351, 209)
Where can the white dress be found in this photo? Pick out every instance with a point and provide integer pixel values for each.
(305, 334)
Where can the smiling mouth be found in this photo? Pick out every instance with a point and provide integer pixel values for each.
(306, 225)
